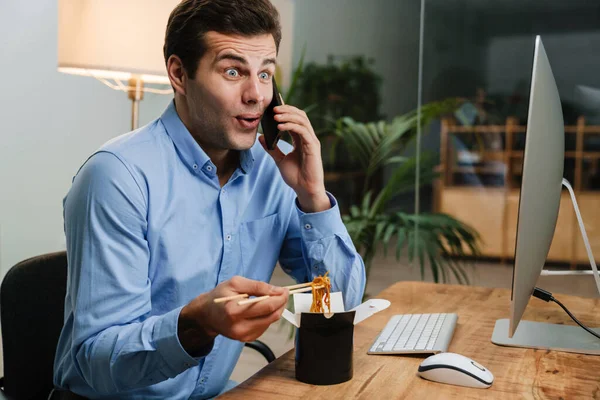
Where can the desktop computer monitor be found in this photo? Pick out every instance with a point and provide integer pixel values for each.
(541, 185)
(543, 163)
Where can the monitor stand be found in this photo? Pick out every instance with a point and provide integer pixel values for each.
(540, 335)
(558, 337)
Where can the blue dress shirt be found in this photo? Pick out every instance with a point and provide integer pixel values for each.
(148, 229)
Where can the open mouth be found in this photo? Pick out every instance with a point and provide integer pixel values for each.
(248, 121)
(248, 118)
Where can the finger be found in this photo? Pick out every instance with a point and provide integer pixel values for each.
(276, 153)
(246, 330)
(287, 108)
(293, 117)
(301, 136)
(295, 140)
(262, 308)
(268, 319)
(252, 329)
(253, 287)
(300, 129)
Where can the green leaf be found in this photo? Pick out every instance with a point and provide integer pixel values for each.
(386, 237)
(379, 230)
(441, 240)
(396, 159)
(366, 203)
(353, 135)
(435, 267)
(402, 235)
(420, 251)
(308, 109)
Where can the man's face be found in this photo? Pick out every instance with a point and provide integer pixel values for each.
(231, 89)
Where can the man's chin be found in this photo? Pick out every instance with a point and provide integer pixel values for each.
(243, 141)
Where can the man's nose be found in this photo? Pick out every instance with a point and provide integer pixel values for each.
(252, 92)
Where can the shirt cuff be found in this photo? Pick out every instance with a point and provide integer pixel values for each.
(315, 226)
(168, 346)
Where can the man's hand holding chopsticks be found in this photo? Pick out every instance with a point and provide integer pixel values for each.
(203, 319)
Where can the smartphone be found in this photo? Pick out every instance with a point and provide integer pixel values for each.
(268, 123)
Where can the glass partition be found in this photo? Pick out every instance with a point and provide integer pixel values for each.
(481, 53)
(357, 80)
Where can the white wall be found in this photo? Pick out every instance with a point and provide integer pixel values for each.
(386, 30)
(50, 123)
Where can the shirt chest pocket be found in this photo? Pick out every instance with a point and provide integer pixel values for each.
(260, 244)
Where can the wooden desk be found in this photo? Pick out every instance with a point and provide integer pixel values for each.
(519, 373)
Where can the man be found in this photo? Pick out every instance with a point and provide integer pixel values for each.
(163, 220)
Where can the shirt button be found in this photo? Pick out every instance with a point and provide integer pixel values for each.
(307, 226)
(195, 166)
(209, 168)
(223, 190)
(228, 237)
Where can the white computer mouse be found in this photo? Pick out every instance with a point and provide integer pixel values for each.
(455, 369)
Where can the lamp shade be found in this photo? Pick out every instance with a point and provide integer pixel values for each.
(286, 47)
(120, 38)
(113, 38)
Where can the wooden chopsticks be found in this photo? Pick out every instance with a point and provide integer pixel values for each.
(299, 288)
(261, 298)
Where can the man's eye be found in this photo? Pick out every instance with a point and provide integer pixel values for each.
(232, 72)
(264, 75)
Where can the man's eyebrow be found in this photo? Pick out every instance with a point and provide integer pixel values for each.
(268, 61)
(242, 60)
(229, 56)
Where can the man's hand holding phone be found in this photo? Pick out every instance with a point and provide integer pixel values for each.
(302, 168)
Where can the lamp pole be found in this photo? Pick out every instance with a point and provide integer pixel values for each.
(136, 94)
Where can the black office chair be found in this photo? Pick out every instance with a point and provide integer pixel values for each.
(32, 298)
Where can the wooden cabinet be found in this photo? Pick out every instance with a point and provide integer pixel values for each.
(481, 187)
(589, 206)
(562, 247)
(482, 209)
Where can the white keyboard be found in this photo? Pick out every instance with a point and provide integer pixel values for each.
(415, 333)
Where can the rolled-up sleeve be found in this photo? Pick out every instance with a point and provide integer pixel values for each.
(115, 342)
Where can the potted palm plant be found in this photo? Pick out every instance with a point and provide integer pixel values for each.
(437, 240)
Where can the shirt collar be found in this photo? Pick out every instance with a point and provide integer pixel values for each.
(247, 159)
(191, 152)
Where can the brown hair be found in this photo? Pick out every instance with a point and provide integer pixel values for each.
(191, 19)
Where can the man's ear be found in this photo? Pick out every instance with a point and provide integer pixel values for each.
(177, 74)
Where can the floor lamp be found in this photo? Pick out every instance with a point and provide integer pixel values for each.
(118, 42)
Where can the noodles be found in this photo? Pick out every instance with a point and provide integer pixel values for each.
(321, 297)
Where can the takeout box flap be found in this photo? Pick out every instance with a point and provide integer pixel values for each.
(303, 301)
(368, 308)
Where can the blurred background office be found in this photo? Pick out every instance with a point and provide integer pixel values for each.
(354, 66)
(482, 51)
